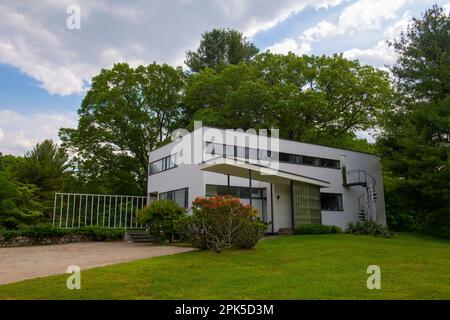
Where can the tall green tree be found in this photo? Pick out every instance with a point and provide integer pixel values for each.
(126, 113)
(220, 47)
(46, 167)
(18, 201)
(309, 98)
(416, 140)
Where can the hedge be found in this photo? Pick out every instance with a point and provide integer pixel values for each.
(317, 229)
(48, 231)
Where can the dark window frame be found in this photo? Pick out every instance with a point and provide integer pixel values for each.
(283, 157)
(170, 195)
(165, 164)
(240, 192)
(341, 202)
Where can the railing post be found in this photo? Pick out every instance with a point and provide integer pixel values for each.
(98, 208)
(92, 209)
(109, 213)
(126, 211)
(115, 210)
(67, 211)
(54, 210)
(61, 210)
(131, 212)
(120, 213)
(79, 210)
(104, 208)
(85, 211)
(73, 208)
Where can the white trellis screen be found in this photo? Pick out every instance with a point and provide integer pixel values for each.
(75, 210)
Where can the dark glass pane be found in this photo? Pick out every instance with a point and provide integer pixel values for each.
(180, 197)
(308, 160)
(163, 196)
(156, 166)
(245, 193)
(284, 157)
(211, 190)
(329, 163)
(331, 201)
(171, 161)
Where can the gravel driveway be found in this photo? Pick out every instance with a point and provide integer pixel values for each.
(22, 263)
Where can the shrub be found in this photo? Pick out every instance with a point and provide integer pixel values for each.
(248, 232)
(161, 217)
(102, 234)
(317, 229)
(220, 222)
(369, 227)
(435, 231)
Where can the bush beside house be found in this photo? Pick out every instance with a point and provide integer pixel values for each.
(219, 223)
(160, 218)
(317, 229)
(369, 227)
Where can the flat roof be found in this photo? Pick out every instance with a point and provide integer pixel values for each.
(294, 141)
(313, 144)
(261, 173)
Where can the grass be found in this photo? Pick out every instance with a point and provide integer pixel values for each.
(292, 267)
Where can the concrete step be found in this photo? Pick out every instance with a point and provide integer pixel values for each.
(285, 231)
(140, 237)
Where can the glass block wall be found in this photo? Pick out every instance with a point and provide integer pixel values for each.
(306, 201)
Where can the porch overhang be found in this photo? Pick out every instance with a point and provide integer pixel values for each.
(261, 173)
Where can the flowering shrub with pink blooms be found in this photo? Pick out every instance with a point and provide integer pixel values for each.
(219, 223)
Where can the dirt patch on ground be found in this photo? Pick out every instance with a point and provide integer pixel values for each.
(22, 263)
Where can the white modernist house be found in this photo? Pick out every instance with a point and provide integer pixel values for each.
(303, 184)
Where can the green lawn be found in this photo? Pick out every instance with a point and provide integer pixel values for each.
(292, 267)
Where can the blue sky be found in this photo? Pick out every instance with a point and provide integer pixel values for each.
(45, 68)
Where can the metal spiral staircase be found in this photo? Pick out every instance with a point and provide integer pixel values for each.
(367, 200)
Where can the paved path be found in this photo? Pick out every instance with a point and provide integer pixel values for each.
(22, 263)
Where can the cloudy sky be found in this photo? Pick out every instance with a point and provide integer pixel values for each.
(45, 68)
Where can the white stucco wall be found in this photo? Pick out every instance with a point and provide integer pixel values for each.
(192, 177)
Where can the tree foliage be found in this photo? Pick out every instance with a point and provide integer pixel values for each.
(126, 113)
(311, 99)
(46, 167)
(416, 142)
(18, 201)
(219, 48)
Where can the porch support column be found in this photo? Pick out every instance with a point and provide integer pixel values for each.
(271, 207)
(292, 204)
(228, 184)
(250, 185)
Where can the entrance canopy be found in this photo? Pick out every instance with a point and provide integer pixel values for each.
(241, 169)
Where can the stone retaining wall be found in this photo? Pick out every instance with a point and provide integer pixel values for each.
(21, 241)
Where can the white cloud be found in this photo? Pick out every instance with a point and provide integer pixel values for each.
(35, 39)
(19, 133)
(380, 56)
(362, 15)
(290, 45)
(357, 17)
(447, 7)
(368, 14)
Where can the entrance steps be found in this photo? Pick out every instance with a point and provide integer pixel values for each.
(140, 237)
(285, 231)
